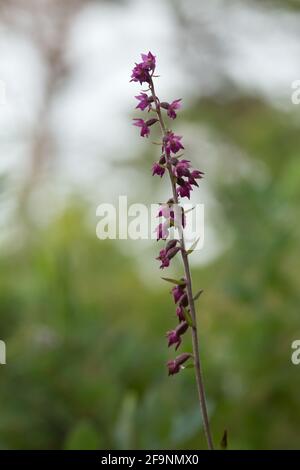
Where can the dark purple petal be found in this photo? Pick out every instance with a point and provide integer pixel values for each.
(145, 131)
(178, 292)
(149, 61)
(184, 189)
(172, 143)
(171, 244)
(140, 74)
(172, 252)
(174, 106)
(164, 105)
(180, 313)
(150, 122)
(174, 336)
(158, 169)
(182, 168)
(165, 262)
(144, 101)
(184, 300)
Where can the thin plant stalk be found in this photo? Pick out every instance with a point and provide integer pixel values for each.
(184, 255)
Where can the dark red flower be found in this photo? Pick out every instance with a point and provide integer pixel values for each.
(174, 336)
(145, 131)
(172, 143)
(144, 101)
(174, 106)
(175, 365)
(158, 169)
(180, 313)
(178, 292)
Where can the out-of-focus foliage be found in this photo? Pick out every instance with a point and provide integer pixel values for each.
(86, 349)
(85, 334)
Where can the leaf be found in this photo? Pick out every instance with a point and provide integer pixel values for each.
(83, 437)
(191, 249)
(188, 318)
(125, 426)
(189, 366)
(174, 281)
(196, 296)
(224, 440)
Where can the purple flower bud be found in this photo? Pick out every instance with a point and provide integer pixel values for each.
(174, 336)
(150, 122)
(145, 131)
(162, 160)
(195, 174)
(172, 252)
(165, 262)
(149, 61)
(180, 313)
(166, 254)
(174, 365)
(182, 327)
(182, 168)
(158, 169)
(184, 300)
(164, 105)
(171, 244)
(174, 106)
(184, 189)
(178, 292)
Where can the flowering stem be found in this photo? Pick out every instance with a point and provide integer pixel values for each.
(184, 255)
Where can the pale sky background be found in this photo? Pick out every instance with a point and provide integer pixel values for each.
(91, 116)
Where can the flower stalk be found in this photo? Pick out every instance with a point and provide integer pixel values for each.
(182, 180)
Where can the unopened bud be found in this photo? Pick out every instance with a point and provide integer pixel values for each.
(184, 300)
(150, 122)
(181, 328)
(164, 105)
(173, 252)
(171, 244)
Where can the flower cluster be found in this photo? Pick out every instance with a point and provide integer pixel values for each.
(183, 314)
(143, 71)
(184, 178)
(174, 336)
(184, 175)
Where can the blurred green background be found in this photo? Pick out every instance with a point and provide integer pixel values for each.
(84, 320)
